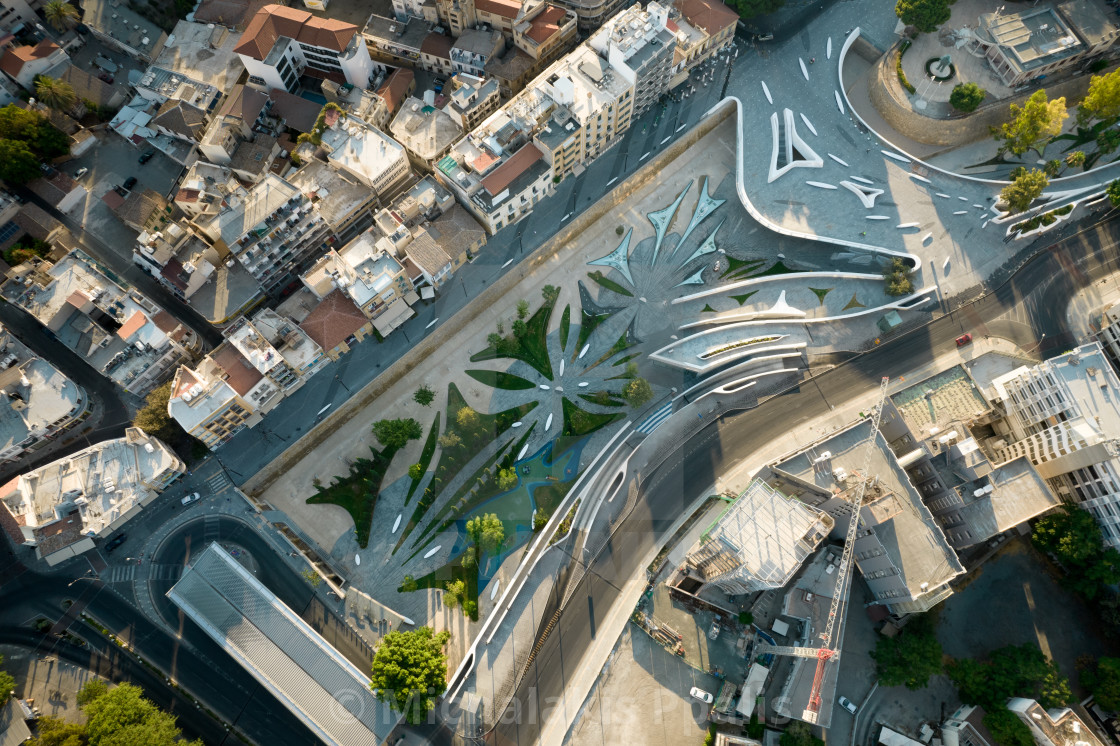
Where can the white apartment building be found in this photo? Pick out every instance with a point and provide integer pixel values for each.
(60, 508)
(1064, 416)
(37, 402)
(1056, 727)
(640, 46)
(281, 45)
(367, 154)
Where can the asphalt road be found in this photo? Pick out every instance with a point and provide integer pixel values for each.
(1043, 288)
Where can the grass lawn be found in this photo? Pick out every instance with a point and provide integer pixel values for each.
(609, 284)
(741, 266)
(501, 380)
(579, 421)
(821, 293)
(531, 348)
(452, 571)
(425, 457)
(587, 326)
(565, 326)
(357, 492)
(743, 298)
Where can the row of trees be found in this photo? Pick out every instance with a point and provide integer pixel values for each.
(121, 715)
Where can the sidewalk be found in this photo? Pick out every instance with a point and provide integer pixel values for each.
(53, 684)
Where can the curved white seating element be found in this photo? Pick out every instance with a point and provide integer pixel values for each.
(866, 194)
(922, 179)
(782, 308)
(820, 185)
(618, 259)
(561, 367)
(876, 217)
(906, 225)
(946, 196)
(796, 153)
(828, 49)
(861, 179)
(839, 102)
(804, 70)
(896, 156)
(548, 423)
(766, 90)
(809, 124)
(961, 212)
(839, 160)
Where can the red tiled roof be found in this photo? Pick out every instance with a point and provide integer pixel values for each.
(437, 45)
(135, 322)
(395, 88)
(502, 176)
(672, 25)
(333, 320)
(275, 21)
(711, 15)
(78, 299)
(483, 162)
(187, 195)
(15, 58)
(546, 23)
(504, 8)
(242, 376)
(184, 380)
(172, 272)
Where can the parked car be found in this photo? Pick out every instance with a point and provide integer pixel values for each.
(700, 694)
(81, 172)
(191, 498)
(129, 182)
(713, 633)
(115, 542)
(963, 340)
(847, 704)
(106, 77)
(147, 156)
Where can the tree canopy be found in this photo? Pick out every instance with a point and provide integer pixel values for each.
(507, 479)
(1011, 671)
(55, 93)
(424, 395)
(799, 734)
(1074, 537)
(487, 532)
(61, 15)
(1103, 680)
(1113, 193)
(911, 658)
(1025, 189)
(1103, 99)
(1033, 124)
(1007, 729)
(394, 434)
(899, 277)
(410, 671)
(637, 392)
(7, 683)
(966, 97)
(153, 418)
(120, 716)
(18, 165)
(924, 15)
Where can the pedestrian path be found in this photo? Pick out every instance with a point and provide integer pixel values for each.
(212, 528)
(218, 483)
(650, 423)
(128, 573)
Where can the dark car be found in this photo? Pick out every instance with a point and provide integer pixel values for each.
(115, 542)
(129, 182)
(147, 156)
(106, 77)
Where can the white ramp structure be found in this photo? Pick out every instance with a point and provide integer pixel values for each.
(759, 541)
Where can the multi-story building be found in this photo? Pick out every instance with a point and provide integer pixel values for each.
(37, 402)
(346, 206)
(426, 133)
(759, 542)
(367, 154)
(25, 63)
(702, 29)
(640, 47)
(473, 49)
(271, 231)
(396, 42)
(545, 31)
(1064, 416)
(60, 508)
(204, 188)
(118, 26)
(122, 334)
(472, 100)
(496, 187)
(591, 14)
(1109, 335)
(18, 15)
(435, 53)
(242, 116)
(336, 324)
(281, 45)
(1055, 727)
(175, 256)
(278, 349)
(398, 86)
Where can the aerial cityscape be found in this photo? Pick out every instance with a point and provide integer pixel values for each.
(560, 372)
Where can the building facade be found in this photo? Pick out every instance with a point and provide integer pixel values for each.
(640, 46)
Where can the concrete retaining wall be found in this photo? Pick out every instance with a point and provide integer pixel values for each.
(446, 332)
(893, 104)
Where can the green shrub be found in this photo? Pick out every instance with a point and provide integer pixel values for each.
(898, 67)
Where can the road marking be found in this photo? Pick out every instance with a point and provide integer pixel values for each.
(508, 263)
(681, 127)
(433, 321)
(644, 157)
(612, 181)
(666, 139)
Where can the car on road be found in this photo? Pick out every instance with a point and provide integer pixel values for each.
(698, 693)
(847, 704)
(81, 172)
(191, 498)
(147, 156)
(129, 182)
(106, 77)
(115, 542)
(713, 633)
(963, 340)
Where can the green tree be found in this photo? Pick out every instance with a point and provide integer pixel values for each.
(153, 418)
(550, 293)
(7, 683)
(409, 584)
(1010, 671)
(966, 97)
(1103, 99)
(394, 434)
(1033, 124)
(520, 328)
(899, 277)
(631, 371)
(911, 658)
(123, 716)
(924, 15)
(454, 593)
(1006, 728)
(61, 15)
(56, 732)
(752, 8)
(18, 165)
(467, 419)
(91, 690)
(507, 479)
(55, 93)
(410, 671)
(1103, 680)
(799, 734)
(487, 532)
(1069, 533)
(522, 308)
(1021, 192)
(637, 392)
(494, 340)
(1108, 141)
(1113, 193)
(1076, 159)
(424, 396)
(1052, 168)
(449, 440)
(312, 577)
(415, 472)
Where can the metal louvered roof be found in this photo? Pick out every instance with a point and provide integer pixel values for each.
(280, 650)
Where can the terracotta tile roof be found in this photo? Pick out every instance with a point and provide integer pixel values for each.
(242, 376)
(187, 195)
(16, 57)
(78, 299)
(275, 21)
(546, 23)
(135, 322)
(502, 176)
(395, 88)
(333, 320)
(184, 380)
(437, 45)
(672, 25)
(483, 162)
(504, 8)
(711, 15)
(169, 325)
(244, 103)
(426, 254)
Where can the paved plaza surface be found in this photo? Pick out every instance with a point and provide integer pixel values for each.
(51, 682)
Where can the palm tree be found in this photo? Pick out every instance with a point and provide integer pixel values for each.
(61, 14)
(56, 94)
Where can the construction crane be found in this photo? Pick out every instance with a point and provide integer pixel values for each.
(830, 648)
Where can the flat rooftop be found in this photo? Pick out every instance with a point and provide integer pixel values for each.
(36, 394)
(339, 196)
(950, 396)
(364, 150)
(203, 52)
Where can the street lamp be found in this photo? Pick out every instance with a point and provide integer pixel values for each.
(343, 385)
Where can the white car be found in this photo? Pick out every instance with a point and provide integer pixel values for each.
(81, 172)
(847, 704)
(701, 695)
(191, 498)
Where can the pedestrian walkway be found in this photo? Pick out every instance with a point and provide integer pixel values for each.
(656, 418)
(218, 483)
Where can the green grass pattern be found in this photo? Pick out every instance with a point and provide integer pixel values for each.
(444, 576)
(587, 326)
(743, 298)
(603, 399)
(425, 457)
(578, 421)
(708, 309)
(565, 327)
(358, 491)
(853, 303)
(821, 293)
(531, 349)
(609, 284)
(497, 379)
